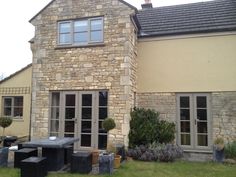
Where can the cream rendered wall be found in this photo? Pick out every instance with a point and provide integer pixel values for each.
(19, 127)
(198, 64)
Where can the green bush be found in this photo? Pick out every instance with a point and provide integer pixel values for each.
(146, 128)
(108, 124)
(230, 150)
(5, 122)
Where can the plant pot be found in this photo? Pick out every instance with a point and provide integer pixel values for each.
(218, 154)
(117, 160)
(106, 163)
(4, 156)
(95, 156)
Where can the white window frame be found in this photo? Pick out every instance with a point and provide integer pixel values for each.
(72, 33)
(12, 106)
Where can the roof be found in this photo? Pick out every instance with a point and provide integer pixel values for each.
(17, 72)
(201, 17)
(122, 1)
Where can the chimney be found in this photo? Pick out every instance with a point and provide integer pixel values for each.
(147, 4)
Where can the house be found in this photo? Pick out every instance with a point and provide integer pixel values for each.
(97, 59)
(15, 96)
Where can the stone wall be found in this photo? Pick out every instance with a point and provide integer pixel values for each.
(164, 103)
(110, 66)
(223, 110)
(224, 115)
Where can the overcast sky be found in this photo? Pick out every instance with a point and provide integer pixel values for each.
(16, 31)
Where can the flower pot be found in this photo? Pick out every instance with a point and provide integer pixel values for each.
(106, 162)
(4, 156)
(95, 156)
(218, 154)
(117, 160)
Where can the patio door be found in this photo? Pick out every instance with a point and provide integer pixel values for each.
(92, 112)
(80, 114)
(194, 128)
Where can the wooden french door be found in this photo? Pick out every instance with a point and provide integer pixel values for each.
(194, 123)
(80, 114)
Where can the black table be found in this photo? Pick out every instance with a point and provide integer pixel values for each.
(53, 150)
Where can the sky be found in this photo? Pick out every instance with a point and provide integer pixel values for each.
(16, 31)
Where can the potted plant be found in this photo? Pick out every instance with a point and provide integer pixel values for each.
(4, 123)
(106, 160)
(218, 150)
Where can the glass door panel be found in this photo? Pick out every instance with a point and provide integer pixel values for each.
(185, 124)
(201, 120)
(102, 114)
(86, 119)
(55, 113)
(70, 115)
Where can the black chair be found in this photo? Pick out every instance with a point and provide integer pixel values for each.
(34, 167)
(81, 162)
(23, 154)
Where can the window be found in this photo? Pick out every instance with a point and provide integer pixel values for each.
(13, 106)
(81, 32)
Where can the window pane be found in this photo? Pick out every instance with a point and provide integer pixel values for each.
(70, 100)
(18, 112)
(201, 102)
(202, 140)
(69, 126)
(86, 113)
(54, 113)
(64, 38)
(65, 27)
(96, 24)
(18, 101)
(103, 98)
(86, 140)
(54, 126)
(86, 127)
(185, 139)
(101, 130)
(55, 99)
(102, 113)
(7, 111)
(81, 37)
(185, 127)
(80, 26)
(102, 141)
(96, 36)
(69, 135)
(86, 100)
(202, 127)
(184, 102)
(70, 113)
(201, 114)
(7, 102)
(184, 114)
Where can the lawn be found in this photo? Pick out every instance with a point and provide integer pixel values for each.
(146, 169)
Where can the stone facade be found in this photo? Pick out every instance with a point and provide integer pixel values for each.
(222, 111)
(109, 66)
(224, 115)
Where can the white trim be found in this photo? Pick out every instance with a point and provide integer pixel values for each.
(186, 36)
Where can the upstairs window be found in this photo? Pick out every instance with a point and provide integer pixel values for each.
(13, 106)
(80, 32)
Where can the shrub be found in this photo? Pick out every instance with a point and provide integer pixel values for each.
(166, 132)
(5, 122)
(230, 150)
(146, 128)
(108, 124)
(153, 152)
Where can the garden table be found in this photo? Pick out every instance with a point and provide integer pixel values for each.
(53, 150)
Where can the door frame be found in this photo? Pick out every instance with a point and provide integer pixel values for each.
(193, 118)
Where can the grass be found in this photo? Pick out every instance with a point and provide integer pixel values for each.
(150, 169)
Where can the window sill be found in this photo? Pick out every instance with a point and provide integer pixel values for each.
(20, 119)
(79, 46)
(205, 151)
